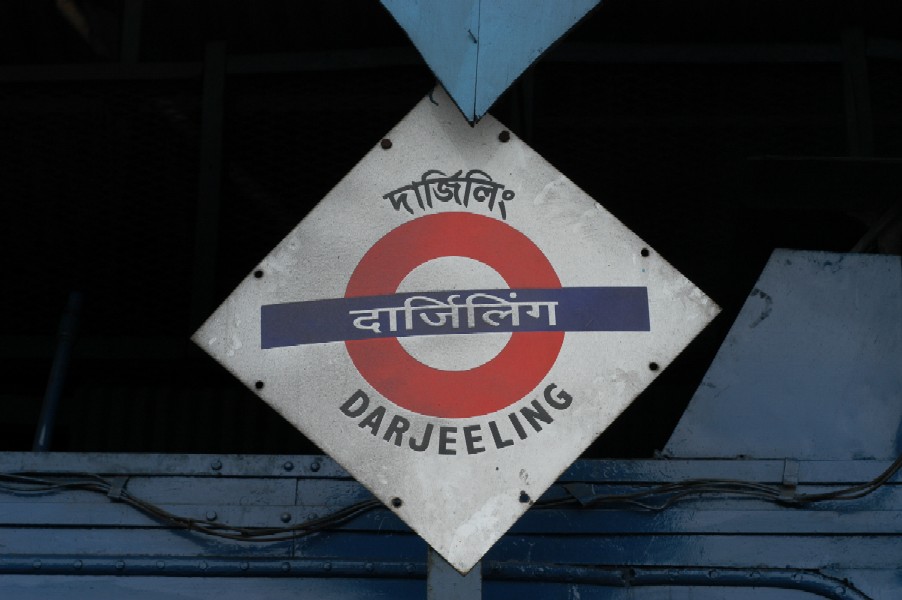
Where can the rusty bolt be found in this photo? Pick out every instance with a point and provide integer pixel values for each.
(504, 136)
(385, 143)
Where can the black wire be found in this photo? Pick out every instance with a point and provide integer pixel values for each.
(855, 491)
(654, 498)
(660, 497)
(29, 483)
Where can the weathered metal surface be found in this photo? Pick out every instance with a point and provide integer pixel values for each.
(80, 544)
(455, 323)
(811, 368)
(478, 48)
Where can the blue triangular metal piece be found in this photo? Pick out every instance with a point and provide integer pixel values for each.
(477, 48)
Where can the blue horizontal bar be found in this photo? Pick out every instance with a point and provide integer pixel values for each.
(574, 309)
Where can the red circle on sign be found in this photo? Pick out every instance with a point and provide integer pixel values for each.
(513, 373)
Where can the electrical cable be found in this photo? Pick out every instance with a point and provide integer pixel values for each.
(660, 497)
(653, 498)
(33, 483)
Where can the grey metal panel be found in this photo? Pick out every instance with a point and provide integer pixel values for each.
(811, 368)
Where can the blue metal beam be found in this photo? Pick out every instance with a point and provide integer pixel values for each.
(709, 547)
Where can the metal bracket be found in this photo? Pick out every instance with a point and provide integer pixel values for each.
(582, 492)
(116, 488)
(443, 582)
(790, 479)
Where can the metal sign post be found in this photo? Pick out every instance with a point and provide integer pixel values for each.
(443, 582)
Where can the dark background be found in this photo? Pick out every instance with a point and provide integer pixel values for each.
(152, 152)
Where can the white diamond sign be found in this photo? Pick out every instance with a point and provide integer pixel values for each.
(454, 323)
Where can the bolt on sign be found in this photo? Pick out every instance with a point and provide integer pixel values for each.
(454, 323)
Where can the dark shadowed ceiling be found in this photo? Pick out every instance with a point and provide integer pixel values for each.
(152, 152)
